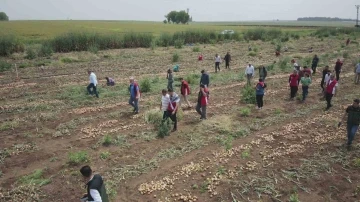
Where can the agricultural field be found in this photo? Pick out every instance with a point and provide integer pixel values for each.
(289, 151)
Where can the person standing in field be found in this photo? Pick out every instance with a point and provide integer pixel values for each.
(295, 65)
(306, 70)
(330, 91)
(294, 80)
(357, 73)
(260, 91)
(165, 100)
(170, 79)
(95, 186)
(91, 88)
(217, 62)
(134, 95)
(262, 72)
(227, 59)
(200, 58)
(325, 78)
(352, 114)
(185, 91)
(338, 66)
(173, 108)
(109, 81)
(314, 64)
(305, 82)
(249, 72)
(205, 79)
(203, 99)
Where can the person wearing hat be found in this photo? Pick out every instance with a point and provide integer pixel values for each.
(352, 115)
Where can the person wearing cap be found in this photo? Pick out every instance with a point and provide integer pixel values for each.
(91, 88)
(330, 91)
(352, 115)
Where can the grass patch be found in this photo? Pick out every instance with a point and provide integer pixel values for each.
(153, 116)
(175, 57)
(76, 158)
(245, 112)
(248, 95)
(10, 44)
(35, 178)
(225, 141)
(164, 128)
(4, 66)
(356, 162)
(31, 53)
(121, 141)
(196, 49)
(252, 54)
(107, 140)
(9, 125)
(145, 85)
(245, 154)
(69, 60)
(105, 155)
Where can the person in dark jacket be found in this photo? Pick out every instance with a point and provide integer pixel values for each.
(352, 115)
(95, 186)
(227, 59)
(314, 64)
(205, 79)
(262, 73)
(338, 66)
(260, 91)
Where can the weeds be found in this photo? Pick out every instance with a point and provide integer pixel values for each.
(107, 140)
(164, 128)
(9, 45)
(76, 158)
(175, 57)
(121, 141)
(245, 112)
(30, 53)
(4, 66)
(179, 43)
(245, 154)
(196, 49)
(93, 49)
(104, 155)
(356, 162)
(36, 178)
(145, 85)
(346, 55)
(252, 54)
(248, 95)
(294, 198)
(225, 141)
(192, 78)
(45, 50)
(153, 117)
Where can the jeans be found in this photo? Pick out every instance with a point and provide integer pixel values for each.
(337, 73)
(164, 115)
(328, 97)
(260, 100)
(170, 85)
(201, 110)
(293, 91)
(135, 103)
(217, 66)
(322, 85)
(305, 92)
(249, 77)
(351, 131)
(93, 87)
(172, 118)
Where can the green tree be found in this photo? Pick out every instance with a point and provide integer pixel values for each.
(171, 17)
(182, 17)
(165, 21)
(3, 17)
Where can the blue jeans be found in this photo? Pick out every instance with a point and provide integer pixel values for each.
(351, 131)
(135, 103)
(305, 92)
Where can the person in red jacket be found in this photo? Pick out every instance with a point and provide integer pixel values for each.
(185, 91)
(330, 91)
(173, 107)
(203, 99)
(294, 80)
(200, 58)
(306, 70)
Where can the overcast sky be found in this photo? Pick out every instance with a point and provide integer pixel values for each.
(154, 10)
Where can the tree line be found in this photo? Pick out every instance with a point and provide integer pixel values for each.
(3, 17)
(324, 19)
(178, 17)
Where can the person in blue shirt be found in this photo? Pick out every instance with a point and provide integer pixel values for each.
(134, 95)
(260, 91)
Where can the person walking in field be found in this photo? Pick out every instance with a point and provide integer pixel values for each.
(330, 91)
(203, 99)
(306, 70)
(314, 63)
(95, 186)
(352, 115)
(262, 72)
(109, 81)
(227, 59)
(338, 66)
(260, 91)
(325, 74)
(357, 73)
(205, 79)
(170, 79)
(134, 95)
(173, 108)
(165, 100)
(185, 91)
(305, 82)
(91, 88)
(294, 80)
(217, 62)
(295, 65)
(250, 73)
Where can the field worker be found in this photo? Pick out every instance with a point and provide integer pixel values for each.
(357, 73)
(325, 72)
(227, 59)
(277, 53)
(173, 107)
(330, 91)
(250, 73)
(217, 62)
(205, 79)
(314, 63)
(95, 186)
(200, 58)
(311, 50)
(91, 88)
(295, 65)
(352, 115)
(347, 41)
(203, 99)
(305, 82)
(185, 91)
(176, 68)
(170, 79)
(294, 80)
(306, 70)
(109, 81)
(262, 73)
(260, 91)
(165, 99)
(134, 95)
(338, 66)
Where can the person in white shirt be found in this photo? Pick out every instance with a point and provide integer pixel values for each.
(165, 100)
(357, 73)
(93, 83)
(249, 72)
(217, 62)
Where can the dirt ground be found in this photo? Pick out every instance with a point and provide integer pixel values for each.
(288, 151)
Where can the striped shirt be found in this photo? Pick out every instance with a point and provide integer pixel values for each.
(165, 102)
